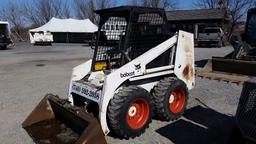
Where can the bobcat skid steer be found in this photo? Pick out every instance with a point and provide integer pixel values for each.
(138, 70)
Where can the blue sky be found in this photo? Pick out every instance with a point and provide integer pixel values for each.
(185, 4)
(182, 4)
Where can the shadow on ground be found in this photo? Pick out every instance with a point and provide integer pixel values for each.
(199, 126)
(5, 49)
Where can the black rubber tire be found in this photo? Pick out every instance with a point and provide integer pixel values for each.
(161, 94)
(118, 108)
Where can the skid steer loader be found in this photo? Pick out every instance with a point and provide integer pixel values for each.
(138, 70)
(239, 65)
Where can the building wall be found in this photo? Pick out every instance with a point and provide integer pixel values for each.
(196, 26)
(60, 37)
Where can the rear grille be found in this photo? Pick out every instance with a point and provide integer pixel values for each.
(246, 111)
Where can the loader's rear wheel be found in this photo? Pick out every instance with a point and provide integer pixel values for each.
(130, 112)
(177, 100)
(170, 98)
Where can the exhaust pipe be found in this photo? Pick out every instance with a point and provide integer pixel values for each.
(55, 120)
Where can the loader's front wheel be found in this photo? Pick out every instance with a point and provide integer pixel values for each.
(170, 98)
(130, 112)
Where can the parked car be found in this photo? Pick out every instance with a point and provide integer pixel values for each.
(5, 38)
(212, 36)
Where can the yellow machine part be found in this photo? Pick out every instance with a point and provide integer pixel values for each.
(100, 66)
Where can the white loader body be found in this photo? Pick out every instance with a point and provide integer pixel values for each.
(102, 87)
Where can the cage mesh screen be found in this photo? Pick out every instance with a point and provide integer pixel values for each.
(147, 31)
(111, 37)
(130, 34)
(114, 27)
(246, 111)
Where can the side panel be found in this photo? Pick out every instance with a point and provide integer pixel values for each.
(136, 67)
(78, 73)
(184, 62)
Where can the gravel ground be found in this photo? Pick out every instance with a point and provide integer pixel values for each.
(28, 72)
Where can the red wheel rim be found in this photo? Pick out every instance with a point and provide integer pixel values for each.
(177, 100)
(138, 113)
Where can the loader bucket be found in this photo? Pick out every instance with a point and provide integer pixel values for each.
(55, 120)
(229, 70)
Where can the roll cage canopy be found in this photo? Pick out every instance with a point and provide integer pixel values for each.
(126, 32)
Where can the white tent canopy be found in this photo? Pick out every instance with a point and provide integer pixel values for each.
(68, 25)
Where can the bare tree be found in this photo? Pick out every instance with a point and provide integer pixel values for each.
(80, 8)
(22, 14)
(85, 8)
(237, 9)
(207, 3)
(134, 2)
(13, 13)
(41, 11)
(166, 4)
(65, 10)
(90, 11)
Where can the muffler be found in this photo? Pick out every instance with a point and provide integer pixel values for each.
(55, 120)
